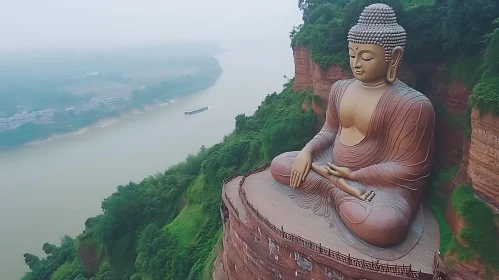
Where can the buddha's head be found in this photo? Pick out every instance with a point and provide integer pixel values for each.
(376, 45)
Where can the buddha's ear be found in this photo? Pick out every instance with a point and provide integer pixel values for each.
(391, 74)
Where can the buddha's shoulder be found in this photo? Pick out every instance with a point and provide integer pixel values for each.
(342, 84)
(407, 93)
(407, 98)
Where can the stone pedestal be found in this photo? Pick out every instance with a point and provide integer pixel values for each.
(267, 236)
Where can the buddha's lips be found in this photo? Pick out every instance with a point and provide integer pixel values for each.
(358, 73)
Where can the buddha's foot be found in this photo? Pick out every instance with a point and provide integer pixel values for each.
(367, 196)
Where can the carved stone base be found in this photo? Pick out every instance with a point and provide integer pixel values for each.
(280, 240)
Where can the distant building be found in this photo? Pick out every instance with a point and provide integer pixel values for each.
(45, 117)
(111, 102)
(4, 125)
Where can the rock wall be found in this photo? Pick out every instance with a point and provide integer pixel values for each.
(463, 269)
(89, 260)
(308, 74)
(484, 157)
(253, 251)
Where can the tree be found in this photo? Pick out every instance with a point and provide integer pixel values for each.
(31, 260)
(49, 249)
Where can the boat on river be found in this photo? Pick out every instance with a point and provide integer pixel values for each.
(195, 111)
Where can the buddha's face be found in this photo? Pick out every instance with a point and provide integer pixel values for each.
(368, 62)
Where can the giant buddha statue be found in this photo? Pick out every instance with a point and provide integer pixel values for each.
(373, 156)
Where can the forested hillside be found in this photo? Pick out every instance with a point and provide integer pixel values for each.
(166, 226)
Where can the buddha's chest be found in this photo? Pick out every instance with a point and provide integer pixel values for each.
(357, 108)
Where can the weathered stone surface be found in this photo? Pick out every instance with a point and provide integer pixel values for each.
(455, 222)
(450, 99)
(462, 177)
(469, 270)
(219, 272)
(318, 109)
(89, 259)
(463, 269)
(308, 75)
(484, 157)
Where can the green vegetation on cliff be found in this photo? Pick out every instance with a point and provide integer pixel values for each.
(455, 32)
(486, 93)
(437, 30)
(480, 232)
(438, 204)
(166, 226)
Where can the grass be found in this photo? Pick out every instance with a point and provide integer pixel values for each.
(452, 120)
(412, 4)
(465, 69)
(186, 225)
(438, 205)
(486, 92)
(480, 231)
(486, 96)
(210, 261)
(64, 270)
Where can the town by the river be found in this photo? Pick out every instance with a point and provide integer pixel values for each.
(50, 189)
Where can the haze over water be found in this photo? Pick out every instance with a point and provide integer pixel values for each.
(50, 189)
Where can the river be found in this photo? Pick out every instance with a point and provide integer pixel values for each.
(50, 189)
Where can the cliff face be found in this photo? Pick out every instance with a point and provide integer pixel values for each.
(308, 75)
(484, 157)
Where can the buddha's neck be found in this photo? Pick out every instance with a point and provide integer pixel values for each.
(374, 85)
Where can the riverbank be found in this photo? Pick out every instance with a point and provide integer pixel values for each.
(102, 123)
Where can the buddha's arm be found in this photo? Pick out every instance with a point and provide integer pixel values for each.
(325, 138)
(408, 152)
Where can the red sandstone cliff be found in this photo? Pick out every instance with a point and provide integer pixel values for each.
(484, 157)
(308, 75)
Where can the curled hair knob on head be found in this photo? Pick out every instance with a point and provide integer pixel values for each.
(377, 24)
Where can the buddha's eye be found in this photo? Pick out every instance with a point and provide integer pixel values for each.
(367, 59)
(352, 56)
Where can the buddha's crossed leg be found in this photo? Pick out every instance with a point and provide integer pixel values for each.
(381, 222)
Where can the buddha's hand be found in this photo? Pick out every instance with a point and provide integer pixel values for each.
(361, 194)
(342, 172)
(301, 166)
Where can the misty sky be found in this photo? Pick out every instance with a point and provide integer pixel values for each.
(48, 24)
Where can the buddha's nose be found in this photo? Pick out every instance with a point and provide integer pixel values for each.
(357, 63)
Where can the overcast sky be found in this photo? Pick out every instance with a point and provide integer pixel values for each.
(48, 24)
